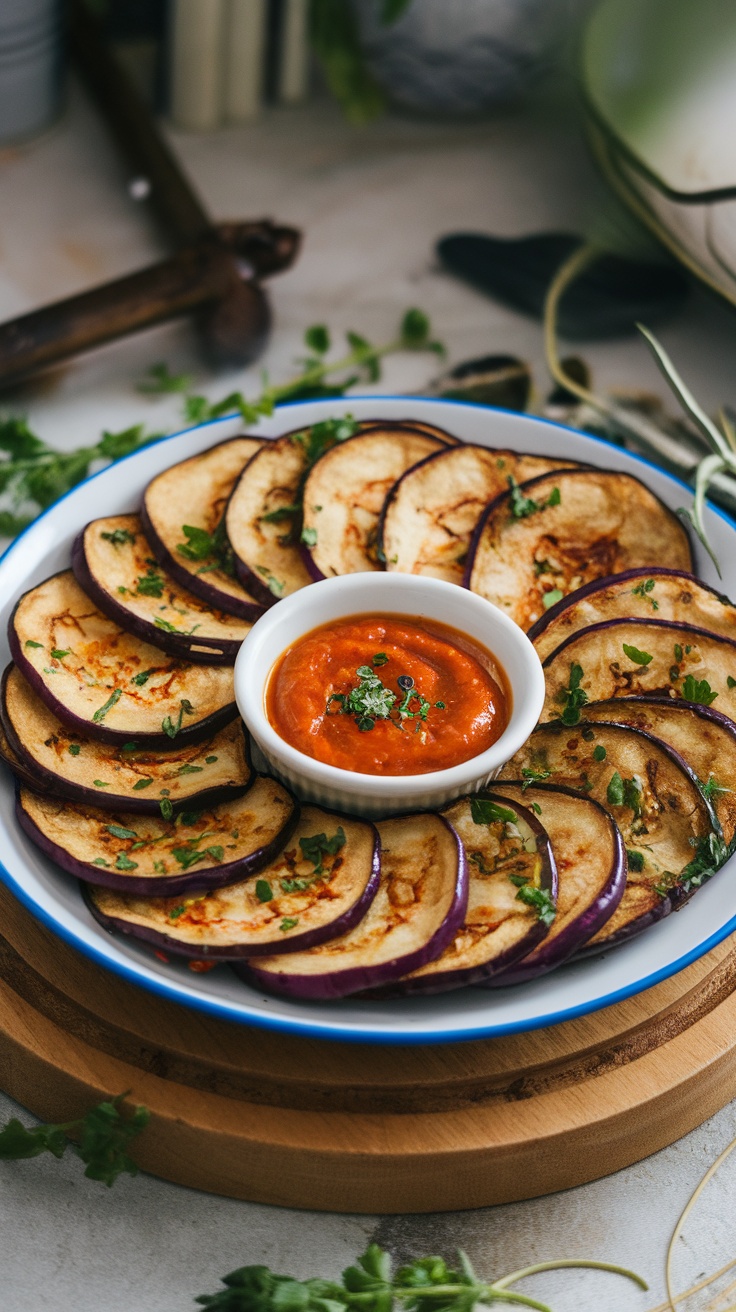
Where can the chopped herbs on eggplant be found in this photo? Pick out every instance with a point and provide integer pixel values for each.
(644, 590)
(140, 680)
(150, 584)
(112, 700)
(119, 537)
(171, 727)
(711, 788)
(638, 657)
(573, 697)
(123, 862)
(264, 892)
(30, 643)
(540, 899)
(486, 812)
(635, 860)
(58, 653)
(698, 691)
(165, 807)
(530, 777)
(119, 831)
(599, 752)
(74, 749)
(552, 597)
(289, 922)
(142, 783)
(522, 506)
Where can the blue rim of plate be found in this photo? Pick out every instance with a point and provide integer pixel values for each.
(221, 1008)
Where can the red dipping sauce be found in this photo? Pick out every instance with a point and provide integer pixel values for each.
(388, 695)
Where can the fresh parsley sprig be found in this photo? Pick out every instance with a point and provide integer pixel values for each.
(101, 1139)
(33, 475)
(426, 1284)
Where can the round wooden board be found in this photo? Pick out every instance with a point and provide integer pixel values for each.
(364, 1128)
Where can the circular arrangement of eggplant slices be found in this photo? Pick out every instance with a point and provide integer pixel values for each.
(133, 771)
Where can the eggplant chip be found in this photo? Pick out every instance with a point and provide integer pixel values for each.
(624, 658)
(512, 889)
(106, 683)
(263, 519)
(431, 512)
(152, 856)
(701, 735)
(344, 494)
(672, 837)
(591, 872)
(319, 886)
(550, 536)
(420, 903)
(654, 593)
(112, 561)
(182, 517)
(50, 757)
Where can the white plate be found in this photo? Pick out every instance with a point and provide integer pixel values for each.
(55, 899)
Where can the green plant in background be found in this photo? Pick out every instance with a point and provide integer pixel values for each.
(335, 38)
(101, 1138)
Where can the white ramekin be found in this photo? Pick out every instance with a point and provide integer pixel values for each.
(386, 594)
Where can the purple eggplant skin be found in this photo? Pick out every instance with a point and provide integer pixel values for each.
(447, 980)
(40, 780)
(189, 733)
(299, 943)
(359, 979)
(184, 646)
(196, 881)
(247, 577)
(597, 585)
(548, 955)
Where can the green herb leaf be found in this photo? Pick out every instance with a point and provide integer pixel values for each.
(191, 856)
(123, 862)
(542, 901)
(486, 812)
(103, 1135)
(643, 590)
(140, 680)
(317, 338)
(264, 892)
(119, 831)
(150, 584)
(615, 790)
(309, 537)
(574, 697)
(99, 783)
(635, 860)
(140, 784)
(112, 700)
(58, 653)
(638, 657)
(289, 922)
(74, 749)
(530, 777)
(522, 506)
(552, 597)
(165, 807)
(30, 643)
(159, 381)
(599, 752)
(730, 681)
(315, 846)
(119, 537)
(712, 788)
(698, 691)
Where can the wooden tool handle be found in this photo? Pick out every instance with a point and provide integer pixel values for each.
(189, 280)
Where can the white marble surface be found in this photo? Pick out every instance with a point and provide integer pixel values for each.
(372, 204)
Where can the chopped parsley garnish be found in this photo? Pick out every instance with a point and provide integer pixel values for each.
(730, 681)
(289, 922)
(74, 749)
(380, 658)
(522, 506)
(479, 861)
(119, 831)
(535, 807)
(599, 752)
(635, 860)
(99, 783)
(140, 680)
(624, 792)
(698, 691)
(150, 584)
(643, 590)
(280, 514)
(169, 726)
(573, 697)
(190, 856)
(552, 597)
(118, 537)
(264, 892)
(142, 783)
(165, 807)
(124, 862)
(638, 657)
(59, 653)
(100, 861)
(315, 846)
(712, 788)
(212, 547)
(127, 748)
(486, 812)
(372, 700)
(210, 760)
(530, 777)
(538, 898)
(309, 537)
(711, 852)
(274, 585)
(678, 651)
(166, 625)
(189, 769)
(112, 700)
(320, 437)
(175, 912)
(30, 643)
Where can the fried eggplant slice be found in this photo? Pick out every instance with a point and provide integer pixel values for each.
(344, 495)
(672, 837)
(149, 856)
(112, 562)
(591, 873)
(106, 683)
(547, 537)
(182, 517)
(318, 886)
(430, 513)
(624, 658)
(701, 735)
(419, 905)
(53, 758)
(649, 593)
(512, 889)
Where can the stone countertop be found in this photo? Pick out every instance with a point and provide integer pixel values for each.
(372, 204)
